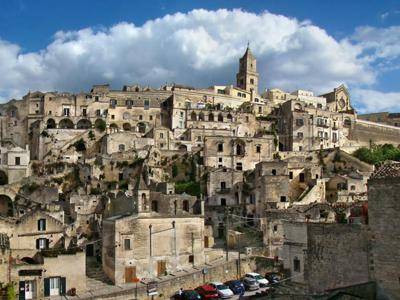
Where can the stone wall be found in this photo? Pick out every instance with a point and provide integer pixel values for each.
(222, 271)
(383, 213)
(365, 132)
(337, 256)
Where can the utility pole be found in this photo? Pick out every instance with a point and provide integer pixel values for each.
(150, 229)
(193, 249)
(227, 233)
(239, 261)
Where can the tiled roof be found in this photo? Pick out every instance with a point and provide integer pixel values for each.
(389, 170)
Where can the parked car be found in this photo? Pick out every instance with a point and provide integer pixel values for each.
(250, 284)
(236, 286)
(261, 280)
(207, 291)
(187, 295)
(224, 292)
(273, 277)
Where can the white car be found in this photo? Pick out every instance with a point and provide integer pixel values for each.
(224, 292)
(261, 280)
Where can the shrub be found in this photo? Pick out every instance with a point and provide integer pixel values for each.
(378, 153)
(91, 135)
(174, 170)
(190, 187)
(100, 125)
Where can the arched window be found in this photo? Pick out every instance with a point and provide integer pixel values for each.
(201, 117)
(220, 118)
(229, 117)
(126, 127)
(51, 124)
(239, 149)
(193, 116)
(211, 117)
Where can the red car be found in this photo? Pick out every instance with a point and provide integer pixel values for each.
(207, 291)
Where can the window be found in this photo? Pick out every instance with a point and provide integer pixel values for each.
(220, 147)
(251, 81)
(296, 264)
(273, 172)
(151, 118)
(113, 103)
(66, 111)
(334, 137)
(140, 117)
(113, 117)
(258, 149)
(300, 135)
(223, 202)
(127, 244)
(220, 159)
(283, 198)
(223, 185)
(239, 166)
(129, 103)
(290, 175)
(259, 109)
(191, 259)
(42, 225)
(275, 229)
(54, 286)
(161, 145)
(17, 160)
(146, 104)
(353, 187)
(96, 98)
(121, 147)
(161, 135)
(42, 244)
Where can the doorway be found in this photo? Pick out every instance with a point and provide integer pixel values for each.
(30, 289)
(130, 274)
(161, 268)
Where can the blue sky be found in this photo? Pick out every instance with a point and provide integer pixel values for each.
(69, 45)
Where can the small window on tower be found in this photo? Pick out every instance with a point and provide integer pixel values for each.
(251, 81)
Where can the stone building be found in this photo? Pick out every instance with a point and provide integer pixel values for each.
(383, 217)
(239, 153)
(280, 183)
(165, 235)
(39, 257)
(14, 162)
(325, 256)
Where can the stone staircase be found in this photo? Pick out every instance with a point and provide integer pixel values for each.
(97, 281)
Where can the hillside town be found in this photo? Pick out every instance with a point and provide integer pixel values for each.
(141, 192)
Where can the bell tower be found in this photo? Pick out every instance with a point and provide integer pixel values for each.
(247, 77)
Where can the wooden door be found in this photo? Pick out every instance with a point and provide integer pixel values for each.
(130, 274)
(161, 268)
(206, 242)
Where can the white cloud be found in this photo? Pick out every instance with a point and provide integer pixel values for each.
(198, 48)
(375, 101)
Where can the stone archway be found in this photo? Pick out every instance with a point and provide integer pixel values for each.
(6, 206)
(84, 124)
(127, 127)
(3, 178)
(51, 124)
(66, 124)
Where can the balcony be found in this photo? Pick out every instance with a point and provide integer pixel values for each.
(223, 191)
